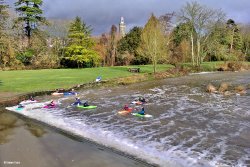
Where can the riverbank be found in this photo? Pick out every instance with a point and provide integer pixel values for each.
(16, 86)
(43, 82)
(183, 104)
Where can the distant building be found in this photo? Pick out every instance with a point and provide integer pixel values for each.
(122, 27)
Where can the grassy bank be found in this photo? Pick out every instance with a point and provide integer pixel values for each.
(49, 79)
(214, 66)
(205, 66)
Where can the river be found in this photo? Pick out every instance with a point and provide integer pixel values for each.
(189, 127)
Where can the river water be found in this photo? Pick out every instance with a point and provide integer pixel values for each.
(189, 127)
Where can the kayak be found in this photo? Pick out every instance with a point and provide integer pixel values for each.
(56, 94)
(19, 109)
(137, 102)
(124, 112)
(28, 101)
(69, 93)
(88, 107)
(140, 115)
(48, 106)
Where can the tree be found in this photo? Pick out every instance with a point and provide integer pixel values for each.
(79, 50)
(101, 46)
(128, 45)
(79, 33)
(112, 45)
(31, 14)
(7, 54)
(234, 34)
(245, 33)
(3, 18)
(167, 25)
(200, 19)
(153, 41)
(3, 15)
(216, 45)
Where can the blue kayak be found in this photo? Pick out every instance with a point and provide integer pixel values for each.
(69, 93)
(19, 109)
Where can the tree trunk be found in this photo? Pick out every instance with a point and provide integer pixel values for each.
(154, 58)
(246, 51)
(232, 41)
(112, 57)
(192, 49)
(198, 52)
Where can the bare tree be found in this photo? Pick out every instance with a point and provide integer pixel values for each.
(200, 19)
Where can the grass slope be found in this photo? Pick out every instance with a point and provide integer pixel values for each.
(48, 79)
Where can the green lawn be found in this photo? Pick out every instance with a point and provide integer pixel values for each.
(206, 66)
(49, 79)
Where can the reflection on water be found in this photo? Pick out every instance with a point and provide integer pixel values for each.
(7, 123)
(35, 129)
(189, 126)
(31, 145)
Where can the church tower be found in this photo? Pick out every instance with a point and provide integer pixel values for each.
(122, 27)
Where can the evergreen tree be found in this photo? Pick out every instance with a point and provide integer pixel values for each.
(79, 52)
(181, 32)
(129, 44)
(31, 14)
(131, 41)
(235, 38)
(79, 33)
(181, 43)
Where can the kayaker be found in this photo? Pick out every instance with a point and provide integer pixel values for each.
(20, 105)
(142, 99)
(85, 104)
(52, 104)
(77, 102)
(72, 92)
(142, 112)
(32, 98)
(126, 107)
(98, 79)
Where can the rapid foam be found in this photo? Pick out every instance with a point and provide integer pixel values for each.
(189, 128)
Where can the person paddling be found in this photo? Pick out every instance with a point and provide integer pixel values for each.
(86, 104)
(32, 98)
(126, 108)
(52, 104)
(142, 99)
(77, 102)
(142, 112)
(20, 105)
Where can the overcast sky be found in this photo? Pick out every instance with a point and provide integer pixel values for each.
(101, 14)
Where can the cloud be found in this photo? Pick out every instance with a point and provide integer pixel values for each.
(102, 14)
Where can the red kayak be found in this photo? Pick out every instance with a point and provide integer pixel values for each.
(124, 112)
